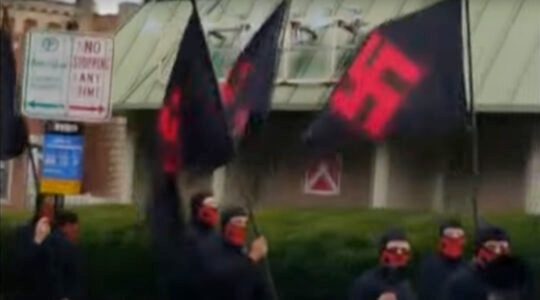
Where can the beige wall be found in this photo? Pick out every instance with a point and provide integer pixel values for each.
(270, 168)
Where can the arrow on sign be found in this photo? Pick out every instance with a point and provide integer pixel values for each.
(87, 108)
(35, 104)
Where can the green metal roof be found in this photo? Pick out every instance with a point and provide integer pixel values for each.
(506, 48)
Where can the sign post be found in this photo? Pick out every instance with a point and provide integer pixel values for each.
(67, 80)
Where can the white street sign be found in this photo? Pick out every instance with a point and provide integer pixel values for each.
(67, 76)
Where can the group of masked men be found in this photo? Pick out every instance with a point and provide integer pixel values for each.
(48, 262)
(203, 262)
(213, 259)
(493, 273)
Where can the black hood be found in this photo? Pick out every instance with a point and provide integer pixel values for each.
(394, 234)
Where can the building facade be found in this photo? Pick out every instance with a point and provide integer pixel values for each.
(320, 39)
(274, 168)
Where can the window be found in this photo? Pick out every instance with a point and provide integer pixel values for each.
(4, 182)
(53, 25)
(29, 24)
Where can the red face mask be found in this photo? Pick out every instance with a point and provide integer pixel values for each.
(208, 215)
(395, 257)
(452, 247)
(485, 254)
(234, 234)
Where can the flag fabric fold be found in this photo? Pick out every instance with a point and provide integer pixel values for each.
(406, 80)
(191, 123)
(247, 92)
(13, 133)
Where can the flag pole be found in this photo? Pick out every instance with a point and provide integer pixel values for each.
(249, 203)
(475, 164)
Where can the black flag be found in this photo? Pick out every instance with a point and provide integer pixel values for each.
(406, 79)
(13, 134)
(191, 123)
(247, 93)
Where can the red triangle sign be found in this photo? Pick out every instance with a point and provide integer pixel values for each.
(322, 184)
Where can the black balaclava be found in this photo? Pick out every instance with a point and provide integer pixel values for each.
(204, 217)
(451, 247)
(233, 235)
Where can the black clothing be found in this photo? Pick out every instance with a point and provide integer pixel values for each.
(70, 269)
(180, 273)
(506, 279)
(197, 232)
(35, 265)
(374, 282)
(433, 272)
(234, 275)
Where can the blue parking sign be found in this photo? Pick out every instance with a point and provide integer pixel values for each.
(62, 157)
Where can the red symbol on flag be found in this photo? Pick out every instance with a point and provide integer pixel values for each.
(324, 177)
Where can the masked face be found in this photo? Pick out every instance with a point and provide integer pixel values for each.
(492, 250)
(71, 231)
(47, 208)
(396, 254)
(452, 242)
(208, 213)
(235, 231)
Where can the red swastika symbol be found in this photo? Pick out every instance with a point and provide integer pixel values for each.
(367, 80)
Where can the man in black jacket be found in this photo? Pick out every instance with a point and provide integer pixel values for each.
(232, 268)
(388, 280)
(72, 284)
(204, 217)
(435, 269)
(34, 254)
(494, 273)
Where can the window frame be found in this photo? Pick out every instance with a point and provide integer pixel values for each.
(7, 166)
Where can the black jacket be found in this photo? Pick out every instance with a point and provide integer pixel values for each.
(37, 276)
(374, 282)
(433, 272)
(510, 280)
(70, 269)
(233, 275)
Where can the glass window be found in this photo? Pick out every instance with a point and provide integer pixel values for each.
(29, 24)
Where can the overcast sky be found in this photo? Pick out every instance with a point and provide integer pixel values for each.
(107, 6)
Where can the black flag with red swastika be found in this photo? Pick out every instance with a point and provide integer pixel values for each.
(247, 93)
(406, 80)
(13, 133)
(191, 123)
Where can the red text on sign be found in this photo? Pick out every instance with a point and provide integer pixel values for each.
(95, 63)
(376, 84)
(89, 47)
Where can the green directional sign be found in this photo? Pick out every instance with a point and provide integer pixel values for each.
(45, 105)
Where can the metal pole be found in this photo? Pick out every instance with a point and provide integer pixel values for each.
(475, 164)
(34, 168)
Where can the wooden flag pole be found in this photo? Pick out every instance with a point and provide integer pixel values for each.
(475, 163)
